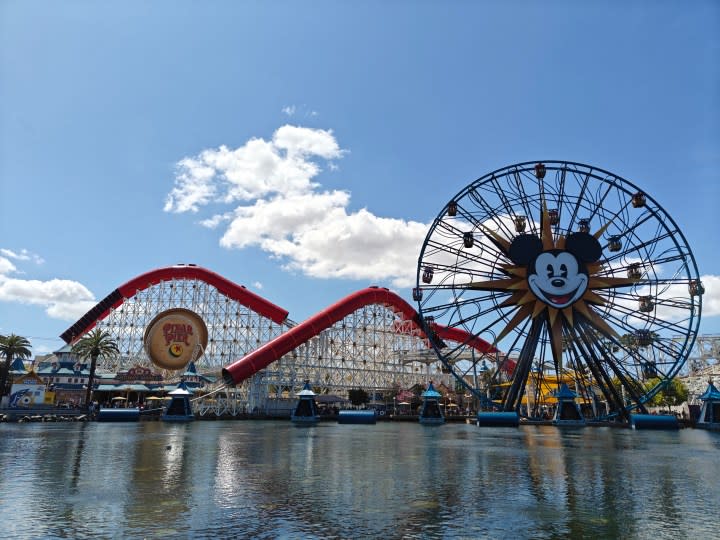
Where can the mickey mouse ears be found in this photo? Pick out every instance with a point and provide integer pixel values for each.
(525, 247)
(584, 246)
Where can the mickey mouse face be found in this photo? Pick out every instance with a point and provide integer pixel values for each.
(557, 277)
(557, 280)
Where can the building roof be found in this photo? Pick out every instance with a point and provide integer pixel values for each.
(565, 393)
(329, 398)
(431, 393)
(191, 370)
(710, 393)
(123, 388)
(181, 390)
(64, 367)
(18, 367)
(306, 391)
(28, 378)
(68, 386)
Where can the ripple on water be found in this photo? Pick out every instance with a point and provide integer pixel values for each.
(268, 480)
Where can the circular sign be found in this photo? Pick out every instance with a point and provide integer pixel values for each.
(175, 337)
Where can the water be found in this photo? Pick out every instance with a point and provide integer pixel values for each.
(257, 479)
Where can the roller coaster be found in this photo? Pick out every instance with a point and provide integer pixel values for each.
(372, 339)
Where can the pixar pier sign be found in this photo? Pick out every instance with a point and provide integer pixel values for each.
(175, 337)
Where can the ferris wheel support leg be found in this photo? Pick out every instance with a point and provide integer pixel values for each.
(592, 356)
(612, 399)
(515, 392)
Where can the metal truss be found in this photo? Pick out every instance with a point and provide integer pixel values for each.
(233, 329)
(374, 348)
(368, 349)
(364, 350)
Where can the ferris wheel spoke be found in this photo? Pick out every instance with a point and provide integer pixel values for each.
(609, 188)
(631, 228)
(492, 213)
(657, 322)
(561, 173)
(459, 234)
(511, 210)
(474, 264)
(580, 196)
(525, 201)
(655, 342)
(466, 319)
(500, 192)
(637, 248)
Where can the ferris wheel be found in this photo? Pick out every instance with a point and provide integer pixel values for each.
(575, 275)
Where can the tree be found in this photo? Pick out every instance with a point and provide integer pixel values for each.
(97, 344)
(673, 393)
(358, 396)
(395, 389)
(11, 347)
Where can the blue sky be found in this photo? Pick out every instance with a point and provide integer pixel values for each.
(303, 148)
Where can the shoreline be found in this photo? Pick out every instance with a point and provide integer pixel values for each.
(79, 415)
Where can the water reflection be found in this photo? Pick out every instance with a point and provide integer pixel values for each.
(272, 479)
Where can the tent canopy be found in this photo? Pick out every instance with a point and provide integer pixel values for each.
(329, 398)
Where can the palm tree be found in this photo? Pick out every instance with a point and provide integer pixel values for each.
(98, 343)
(11, 347)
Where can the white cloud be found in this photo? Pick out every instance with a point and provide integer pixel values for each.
(285, 165)
(279, 207)
(355, 246)
(258, 285)
(214, 221)
(711, 298)
(302, 110)
(24, 255)
(281, 217)
(6, 267)
(307, 142)
(62, 299)
(193, 187)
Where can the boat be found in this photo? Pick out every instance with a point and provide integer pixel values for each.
(430, 413)
(306, 411)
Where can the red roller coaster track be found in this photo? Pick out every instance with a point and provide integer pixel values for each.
(265, 355)
(232, 290)
(283, 344)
